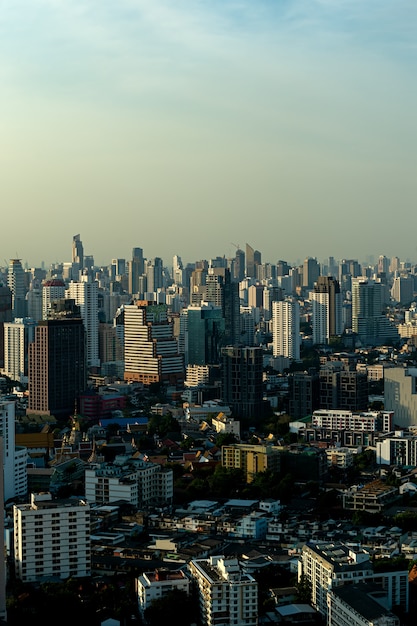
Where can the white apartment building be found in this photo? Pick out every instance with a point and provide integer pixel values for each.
(155, 585)
(51, 538)
(339, 457)
(17, 336)
(359, 605)
(85, 294)
(227, 595)
(338, 419)
(286, 328)
(14, 459)
(51, 290)
(399, 448)
(330, 565)
(139, 482)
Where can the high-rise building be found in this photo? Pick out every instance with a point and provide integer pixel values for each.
(14, 463)
(51, 538)
(303, 394)
(326, 309)
(85, 295)
(16, 284)
(77, 252)
(311, 272)
(239, 266)
(5, 316)
(206, 331)
(368, 321)
(53, 289)
(150, 348)
(242, 380)
(17, 336)
(57, 361)
(402, 290)
(154, 269)
(286, 328)
(227, 595)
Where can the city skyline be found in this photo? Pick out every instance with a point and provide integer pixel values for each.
(289, 125)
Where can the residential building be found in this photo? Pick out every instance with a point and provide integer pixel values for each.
(85, 295)
(361, 604)
(14, 457)
(368, 321)
(286, 328)
(251, 458)
(134, 480)
(303, 394)
(400, 395)
(51, 538)
(17, 337)
(372, 497)
(326, 300)
(155, 585)
(6, 315)
(399, 448)
(227, 595)
(52, 290)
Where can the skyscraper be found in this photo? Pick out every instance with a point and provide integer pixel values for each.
(368, 320)
(17, 337)
(154, 274)
(286, 328)
(85, 295)
(57, 362)
(77, 252)
(53, 289)
(5, 316)
(242, 380)
(326, 309)
(16, 284)
(205, 334)
(150, 348)
(311, 272)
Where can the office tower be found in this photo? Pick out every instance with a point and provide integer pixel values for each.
(151, 350)
(248, 320)
(253, 259)
(242, 380)
(85, 295)
(286, 328)
(177, 270)
(51, 538)
(383, 265)
(239, 266)
(53, 289)
(326, 309)
(402, 290)
(154, 275)
(77, 257)
(303, 394)
(368, 322)
(34, 303)
(400, 385)
(227, 595)
(283, 269)
(16, 284)
(6, 315)
(117, 269)
(311, 272)
(206, 330)
(57, 361)
(17, 336)
(220, 290)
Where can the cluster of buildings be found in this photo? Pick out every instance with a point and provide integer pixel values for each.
(219, 336)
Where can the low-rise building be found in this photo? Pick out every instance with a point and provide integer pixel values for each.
(155, 585)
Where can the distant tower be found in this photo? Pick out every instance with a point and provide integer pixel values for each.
(239, 266)
(16, 283)
(326, 309)
(155, 275)
(311, 272)
(77, 251)
(286, 328)
(5, 316)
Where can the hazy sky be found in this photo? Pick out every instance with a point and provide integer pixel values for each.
(191, 126)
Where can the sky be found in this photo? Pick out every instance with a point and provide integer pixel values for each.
(194, 127)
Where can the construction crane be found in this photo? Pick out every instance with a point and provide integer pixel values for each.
(236, 245)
